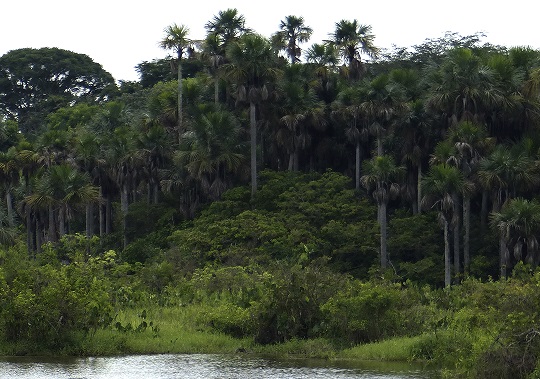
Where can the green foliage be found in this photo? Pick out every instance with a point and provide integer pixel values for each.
(364, 312)
(45, 304)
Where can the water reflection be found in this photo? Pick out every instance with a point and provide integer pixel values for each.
(198, 366)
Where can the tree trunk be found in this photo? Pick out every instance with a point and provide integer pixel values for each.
(503, 256)
(101, 214)
(382, 223)
(466, 233)
(89, 220)
(52, 225)
(124, 207)
(447, 263)
(216, 90)
(484, 211)
(9, 207)
(457, 238)
(180, 115)
(419, 188)
(61, 221)
(253, 136)
(29, 232)
(357, 162)
(108, 214)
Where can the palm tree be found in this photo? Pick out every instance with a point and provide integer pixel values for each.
(211, 151)
(300, 112)
(462, 88)
(324, 58)
(176, 39)
(518, 224)
(384, 104)
(61, 190)
(471, 143)
(352, 40)
(348, 106)
(9, 177)
(440, 187)
(503, 172)
(380, 178)
(292, 32)
(251, 67)
(227, 26)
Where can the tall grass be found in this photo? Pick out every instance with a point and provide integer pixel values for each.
(159, 330)
(394, 349)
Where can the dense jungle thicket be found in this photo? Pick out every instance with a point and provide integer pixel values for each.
(353, 196)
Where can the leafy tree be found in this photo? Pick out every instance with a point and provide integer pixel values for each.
(34, 82)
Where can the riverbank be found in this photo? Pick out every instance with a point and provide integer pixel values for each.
(176, 330)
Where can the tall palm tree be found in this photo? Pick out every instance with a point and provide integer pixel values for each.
(504, 172)
(381, 175)
(227, 24)
(224, 28)
(384, 104)
(292, 31)
(348, 106)
(439, 187)
(352, 40)
(300, 112)
(211, 151)
(251, 68)
(9, 177)
(176, 39)
(462, 87)
(62, 189)
(324, 58)
(471, 143)
(518, 224)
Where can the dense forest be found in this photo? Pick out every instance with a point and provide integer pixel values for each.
(338, 192)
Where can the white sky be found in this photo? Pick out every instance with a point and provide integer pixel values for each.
(119, 34)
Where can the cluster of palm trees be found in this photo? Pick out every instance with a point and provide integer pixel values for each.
(449, 126)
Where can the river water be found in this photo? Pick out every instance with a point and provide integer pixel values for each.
(199, 366)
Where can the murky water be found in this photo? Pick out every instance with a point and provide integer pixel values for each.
(198, 366)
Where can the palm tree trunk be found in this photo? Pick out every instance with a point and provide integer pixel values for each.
(61, 221)
(503, 256)
(89, 220)
(39, 240)
(180, 124)
(457, 237)
(9, 206)
(357, 167)
(253, 136)
(466, 233)
(52, 225)
(101, 214)
(216, 90)
(29, 232)
(484, 211)
(419, 188)
(447, 263)
(382, 223)
(108, 214)
(124, 207)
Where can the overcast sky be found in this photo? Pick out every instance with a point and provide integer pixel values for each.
(119, 34)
